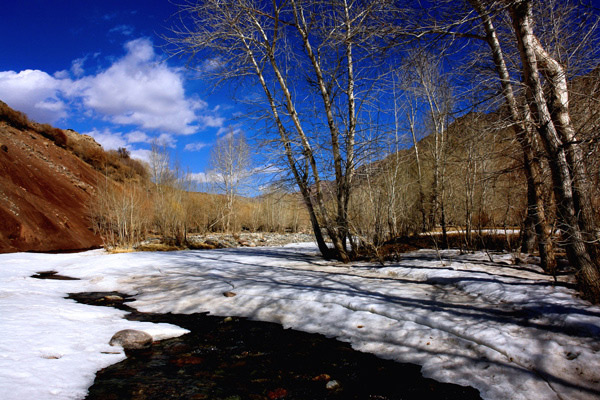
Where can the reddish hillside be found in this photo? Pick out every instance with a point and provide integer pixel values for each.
(44, 192)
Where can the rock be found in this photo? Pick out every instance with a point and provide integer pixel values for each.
(571, 356)
(278, 393)
(229, 294)
(112, 297)
(53, 275)
(131, 339)
(322, 377)
(333, 385)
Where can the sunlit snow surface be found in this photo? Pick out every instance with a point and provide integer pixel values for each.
(500, 328)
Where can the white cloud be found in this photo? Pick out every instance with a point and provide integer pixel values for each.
(35, 93)
(212, 64)
(203, 177)
(166, 139)
(77, 67)
(212, 121)
(195, 146)
(141, 154)
(228, 131)
(108, 139)
(64, 74)
(137, 137)
(139, 90)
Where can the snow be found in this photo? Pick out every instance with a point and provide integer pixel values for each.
(503, 329)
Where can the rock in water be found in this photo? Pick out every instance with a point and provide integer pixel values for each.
(112, 297)
(131, 339)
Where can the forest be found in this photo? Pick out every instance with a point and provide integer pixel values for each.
(381, 120)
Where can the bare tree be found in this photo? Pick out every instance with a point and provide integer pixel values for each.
(230, 163)
(287, 48)
(546, 116)
(553, 121)
(171, 202)
(525, 136)
(432, 88)
(119, 212)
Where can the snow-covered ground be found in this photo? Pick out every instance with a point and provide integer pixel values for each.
(500, 328)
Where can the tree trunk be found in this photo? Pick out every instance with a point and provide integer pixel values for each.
(411, 120)
(569, 196)
(301, 179)
(532, 167)
(339, 233)
(528, 233)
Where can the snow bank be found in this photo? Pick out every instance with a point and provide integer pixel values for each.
(51, 347)
(501, 328)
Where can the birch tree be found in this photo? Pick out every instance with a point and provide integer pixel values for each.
(552, 118)
(524, 129)
(432, 88)
(230, 163)
(546, 116)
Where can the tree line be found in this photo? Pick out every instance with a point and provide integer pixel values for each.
(166, 203)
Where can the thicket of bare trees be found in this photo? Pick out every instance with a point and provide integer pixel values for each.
(168, 205)
(121, 213)
(544, 117)
(391, 118)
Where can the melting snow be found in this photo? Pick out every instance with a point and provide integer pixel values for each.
(500, 328)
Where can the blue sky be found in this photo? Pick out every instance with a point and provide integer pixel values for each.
(97, 67)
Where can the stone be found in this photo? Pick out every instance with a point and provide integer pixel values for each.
(333, 385)
(322, 377)
(131, 339)
(112, 297)
(229, 294)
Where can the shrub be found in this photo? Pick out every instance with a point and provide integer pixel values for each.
(52, 133)
(138, 167)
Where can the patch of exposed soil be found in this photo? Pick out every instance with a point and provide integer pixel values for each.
(235, 358)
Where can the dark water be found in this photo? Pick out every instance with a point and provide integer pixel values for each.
(53, 275)
(236, 358)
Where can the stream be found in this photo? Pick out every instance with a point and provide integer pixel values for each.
(236, 358)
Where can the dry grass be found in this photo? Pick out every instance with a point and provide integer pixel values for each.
(14, 118)
(159, 247)
(119, 250)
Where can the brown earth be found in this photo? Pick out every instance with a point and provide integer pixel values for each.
(44, 193)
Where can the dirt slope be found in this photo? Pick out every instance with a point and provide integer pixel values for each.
(44, 192)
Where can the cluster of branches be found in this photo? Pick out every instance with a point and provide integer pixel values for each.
(341, 82)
